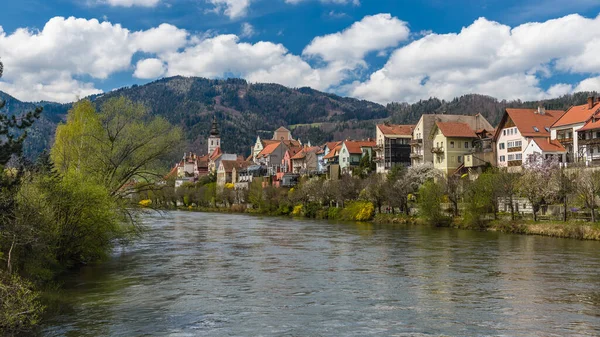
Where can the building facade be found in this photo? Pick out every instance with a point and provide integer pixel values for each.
(393, 146)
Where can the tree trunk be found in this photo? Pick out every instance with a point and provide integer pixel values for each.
(9, 261)
(512, 208)
(565, 209)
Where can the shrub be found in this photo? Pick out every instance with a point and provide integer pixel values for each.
(145, 203)
(358, 211)
(238, 208)
(20, 307)
(431, 195)
(333, 213)
(297, 210)
(311, 210)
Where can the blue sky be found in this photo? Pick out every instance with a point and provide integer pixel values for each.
(382, 50)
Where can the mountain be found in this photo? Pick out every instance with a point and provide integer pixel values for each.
(245, 110)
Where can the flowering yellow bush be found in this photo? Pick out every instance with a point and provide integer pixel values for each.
(145, 203)
(297, 210)
(229, 186)
(358, 211)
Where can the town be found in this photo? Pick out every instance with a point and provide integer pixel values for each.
(453, 144)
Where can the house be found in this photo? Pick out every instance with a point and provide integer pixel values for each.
(245, 176)
(217, 156)
(393, 146)
(228, 170)
(325, 150)
(332, 162)
(272, 157)
(352, 151)
(517, 128)
(259, 145)
(282, 134)
(286, 162)
(452, 141)
(481, 154)
(546, 147)
(567, 129)
(305, 161)
(422, 143)
(588, 141)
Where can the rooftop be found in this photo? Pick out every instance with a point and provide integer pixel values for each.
(396, 130)
(530, 120)
(456, 129)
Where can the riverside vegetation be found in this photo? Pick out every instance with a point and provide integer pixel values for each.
(71, 206)
(417, 195)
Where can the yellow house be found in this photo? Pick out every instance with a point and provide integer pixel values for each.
(452, 141)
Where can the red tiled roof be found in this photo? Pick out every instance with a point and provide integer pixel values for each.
(526, 119)
(229, 165)
(395, 129)
(355, 147)
(332, 145)
(333, 153)
(592, 124)
(549, 146)
(454, 129)
(216, 153)
(266, 142)
(577, 114)
(301, 154)
(291, 143)
(268, 149)
(293, 151)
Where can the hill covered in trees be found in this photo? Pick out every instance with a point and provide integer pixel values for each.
(245, 110)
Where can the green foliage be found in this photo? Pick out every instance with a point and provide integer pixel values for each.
(357, 211)
(480, 199)
(430, 199)
(333, 213)
(20, 307)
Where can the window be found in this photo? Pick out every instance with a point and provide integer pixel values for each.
(466, 145)
(502, 158)
(437, 144)
(518, 156)
(451, 145)
(547, 128)
(535, 128)
(459, 145)
(511, 157)
(501, 146)
(504, 132)
(459, 159)
(211, 142)
(344, 160)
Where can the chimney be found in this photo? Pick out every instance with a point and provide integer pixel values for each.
(590, 102)
(541, 110)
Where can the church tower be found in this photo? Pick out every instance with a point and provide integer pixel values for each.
(214, 138)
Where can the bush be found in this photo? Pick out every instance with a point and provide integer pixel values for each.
(358, 211)
(312, 209)
(238, 208)
(297, 210)
(431, 195)
(20, 307)
(333, 213)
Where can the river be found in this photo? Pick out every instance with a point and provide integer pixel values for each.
(199, 274)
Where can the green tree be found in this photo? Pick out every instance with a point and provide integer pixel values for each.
(429, 202)
(588, 187)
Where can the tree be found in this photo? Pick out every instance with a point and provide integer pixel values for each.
(564, 184)
(508, 183)
(119, 145)
(452, 188)
(534, 181)
(430, 199)
(588, 187)
(375, 190)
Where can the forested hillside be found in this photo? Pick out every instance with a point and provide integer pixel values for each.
(245, 110)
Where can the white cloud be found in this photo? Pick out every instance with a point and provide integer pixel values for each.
(132, 3)
(247, 30)
(232, 8)
(488, 58)
(372, 33)
(149, 69)
(164, 38)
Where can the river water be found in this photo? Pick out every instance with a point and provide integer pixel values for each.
(198, 274)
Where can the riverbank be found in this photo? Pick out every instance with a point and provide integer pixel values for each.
(578, 230)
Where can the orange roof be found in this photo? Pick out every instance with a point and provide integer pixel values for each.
(333, 153)
(454, 129)
(577, 114)
(526, 119)
(549, 146)
(294, 150)
(355, 147)
(291, 143)
(395, 129)
(216, 153)
(268, 149)
(266, 142)
(281, 128)
(332, 145)
(591, 124)
(301, 154)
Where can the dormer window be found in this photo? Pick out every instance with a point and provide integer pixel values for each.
(535, 128)
(547, 128)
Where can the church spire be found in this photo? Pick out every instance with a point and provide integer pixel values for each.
(214, 130)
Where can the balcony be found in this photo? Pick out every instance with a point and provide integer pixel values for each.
(512, 163)
(416, 142)
(514, 149)
(592, 141)
(565, 140)
(437, 150)
(415, 156)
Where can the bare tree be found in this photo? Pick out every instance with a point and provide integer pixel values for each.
(588, 187)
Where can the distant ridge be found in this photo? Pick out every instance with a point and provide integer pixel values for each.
(243, 109)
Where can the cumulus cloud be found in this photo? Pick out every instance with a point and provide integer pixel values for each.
(488, 58)
(131, 3)
(164, 38)
(232, 8)
(149, 69)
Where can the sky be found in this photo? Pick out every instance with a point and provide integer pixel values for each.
(379, 50)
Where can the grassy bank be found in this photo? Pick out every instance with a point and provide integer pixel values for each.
(571, 229)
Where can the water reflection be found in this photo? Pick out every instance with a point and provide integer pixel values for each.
(226, 275)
